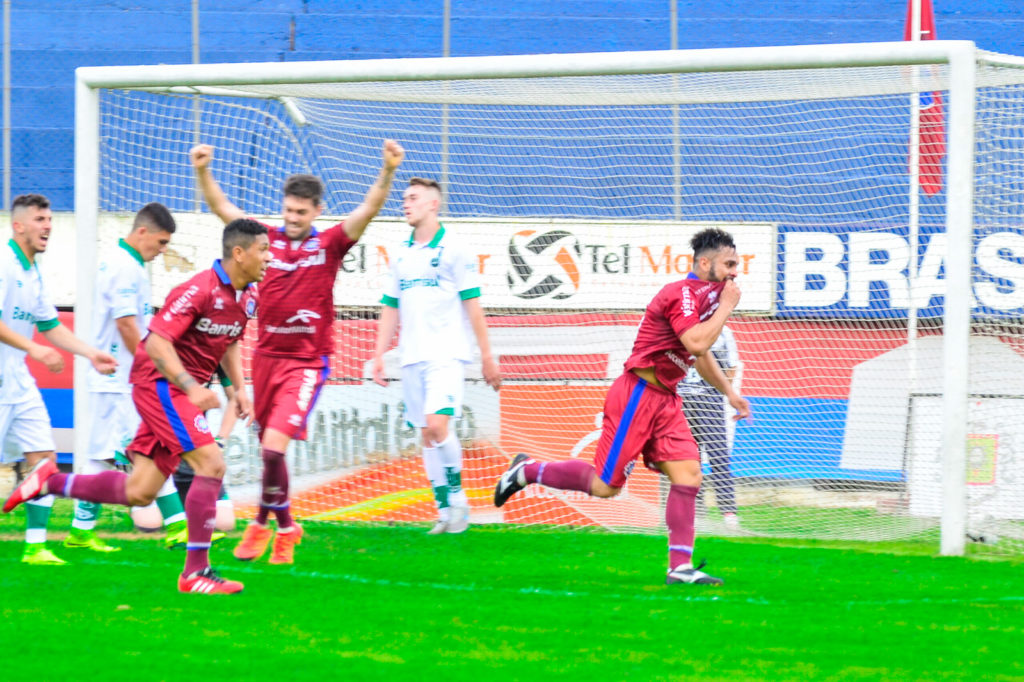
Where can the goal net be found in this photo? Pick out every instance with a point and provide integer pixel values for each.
(578, 195)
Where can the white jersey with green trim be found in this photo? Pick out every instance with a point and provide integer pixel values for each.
(25, 306)
(428, 283)
(122, 290)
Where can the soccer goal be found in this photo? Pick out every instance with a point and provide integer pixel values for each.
(882, 263)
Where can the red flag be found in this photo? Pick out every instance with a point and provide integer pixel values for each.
(931, 124)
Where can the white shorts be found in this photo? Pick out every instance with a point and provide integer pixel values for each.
(113, 424)
(25, 427)
(432, 388)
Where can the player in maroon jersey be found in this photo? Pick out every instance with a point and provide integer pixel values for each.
(200, 324)
(642, 414)
(296, 329)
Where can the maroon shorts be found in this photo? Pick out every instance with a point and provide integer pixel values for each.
(640, 419)
(171, 425)
(285, 391)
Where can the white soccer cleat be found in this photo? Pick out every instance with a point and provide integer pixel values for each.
(459, 521)
(440, 527)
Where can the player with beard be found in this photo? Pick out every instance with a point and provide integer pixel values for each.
(642, 414)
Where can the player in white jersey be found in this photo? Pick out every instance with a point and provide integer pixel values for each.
(121, 314)
(24, 307)
(434, 294)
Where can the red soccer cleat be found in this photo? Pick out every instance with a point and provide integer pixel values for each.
(207, 581)
(33, 484)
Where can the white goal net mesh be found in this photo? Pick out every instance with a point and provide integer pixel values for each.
(578, 196)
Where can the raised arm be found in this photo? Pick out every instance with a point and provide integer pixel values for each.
(202, 155)
(62, 337)
(478, 322)
(168, 363)
(357, 220)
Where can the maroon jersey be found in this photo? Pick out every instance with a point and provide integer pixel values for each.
(677, 307)
(297, 295)
(201, 317)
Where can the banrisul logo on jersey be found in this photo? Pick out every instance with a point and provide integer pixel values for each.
(544, 264)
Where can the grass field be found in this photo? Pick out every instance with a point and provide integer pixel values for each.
(499, 603)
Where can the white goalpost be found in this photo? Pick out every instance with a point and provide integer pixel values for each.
(881, 342)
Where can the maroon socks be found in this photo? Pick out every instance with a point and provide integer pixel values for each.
(201, 512)
(680, 514)
(275, 490)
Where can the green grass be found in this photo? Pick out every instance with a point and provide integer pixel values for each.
(390, 603)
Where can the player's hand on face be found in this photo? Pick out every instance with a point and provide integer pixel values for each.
(393, 154)
(104, 362)
(730, 295)
(48, 356)
(491, 374)
(201, 155)
(742, 407)
(378, 371)
(203, 398)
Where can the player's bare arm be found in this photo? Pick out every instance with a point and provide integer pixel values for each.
(386, 327)
(201, 156)
(167, 362)
(128, 330)
(357, 221)
(232, 364)
(699, 338)
(707, 366)
(61, 336)
(488, 366)
(36, 351)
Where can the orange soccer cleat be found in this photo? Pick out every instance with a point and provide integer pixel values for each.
(254, 542)
(284, 546)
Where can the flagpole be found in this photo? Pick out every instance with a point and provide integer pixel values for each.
(914, 201)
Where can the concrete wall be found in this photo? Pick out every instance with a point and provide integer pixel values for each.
(50, 38)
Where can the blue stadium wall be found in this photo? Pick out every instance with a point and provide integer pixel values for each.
(50, 38)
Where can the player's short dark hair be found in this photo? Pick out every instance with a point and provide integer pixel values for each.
(711, 239)
(241, 232)
(155, 217)
(425, 182)
(26, 200)
(304, 186)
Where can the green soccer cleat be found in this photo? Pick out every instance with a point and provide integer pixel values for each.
(177, 536)
(39, 555)
(87, 539)
(178, 539)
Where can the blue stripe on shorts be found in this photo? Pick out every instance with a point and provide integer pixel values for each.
(620, 433)
(184, 440)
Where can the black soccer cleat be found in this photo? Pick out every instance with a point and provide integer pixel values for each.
(512, 481)
(688, 574)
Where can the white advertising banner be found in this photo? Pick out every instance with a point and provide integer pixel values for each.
(533, 264)
(353, 426)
